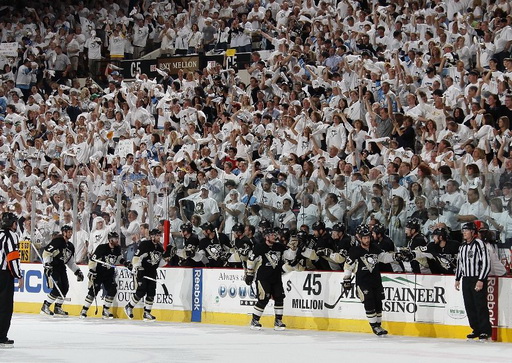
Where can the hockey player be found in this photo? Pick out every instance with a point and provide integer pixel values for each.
(147, 259)
(190, 243)
(324, 246)
(242, 247)
(444, 253)
(342, 243)
(386, 244)
(363, 261)
(214, 246)
(266, 264)
(102, 272)
(59, 253)
(9, 270)
(416, 240)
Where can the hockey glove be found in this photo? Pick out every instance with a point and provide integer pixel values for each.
(48, 270)
(323, 252)
(79, 276)
(347, 285)
(249, 279)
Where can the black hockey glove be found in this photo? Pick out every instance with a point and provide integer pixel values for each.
(249, 279)
(323, 252)
(347, 285)
(79, 276)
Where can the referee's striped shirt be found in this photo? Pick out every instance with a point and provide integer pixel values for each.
(9, 253)
(473, 261)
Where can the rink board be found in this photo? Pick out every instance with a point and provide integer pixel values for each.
(414, 305)
(174, 306)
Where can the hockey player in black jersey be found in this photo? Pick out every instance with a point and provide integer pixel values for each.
(342, 243)
(384, 243)
(59, 253)
(214, 246)
(416, 240)
(187, 254)
(265, 263)
(102, 272)
(242, 245)
(147, 259)
(324, 246)
(444, 253)
(363, 261)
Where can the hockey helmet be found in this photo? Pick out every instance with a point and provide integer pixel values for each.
(186, 227)
(363, 230)
(440, 232)
(302, 236)
(113, 235)
(238, 227)
(66, 228)
(379, 229)
(469, 226)
(413, 223)
(155, 232)
(283, 232)
(269, 231)
(207, 227)
(8, 219)
(317, 226)
(339, 227)
(265, 224)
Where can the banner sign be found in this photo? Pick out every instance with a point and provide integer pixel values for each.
(174, 64)
(9, 49)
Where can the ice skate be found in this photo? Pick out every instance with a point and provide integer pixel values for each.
(255, 324)
(378, 330)
(472, 336)
(7, 344)
(279, 325)
(58, 311)
(147, 316)
(83, 313)
(107, 314)
(128, 310)
(484, 338)
(45, 309)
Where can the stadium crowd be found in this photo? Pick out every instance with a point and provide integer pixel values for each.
(394, 114)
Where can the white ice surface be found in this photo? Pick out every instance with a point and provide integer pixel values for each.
(45, 339)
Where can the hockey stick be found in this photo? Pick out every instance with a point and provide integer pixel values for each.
(166, 291)
(51, 277)
(329, 306)
(95, 297)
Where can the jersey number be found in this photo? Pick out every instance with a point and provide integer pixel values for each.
(312, 284)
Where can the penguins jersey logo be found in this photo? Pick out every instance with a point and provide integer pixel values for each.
(111, 259)
(66, 255)
(244, 250)
(273, 258)
(154, 258)
(446, 261)
(214, 250)
(369, 261)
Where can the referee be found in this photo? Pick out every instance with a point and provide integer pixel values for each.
(9, 270)
(473, 267)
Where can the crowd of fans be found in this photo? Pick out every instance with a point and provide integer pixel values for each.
(395, 114)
